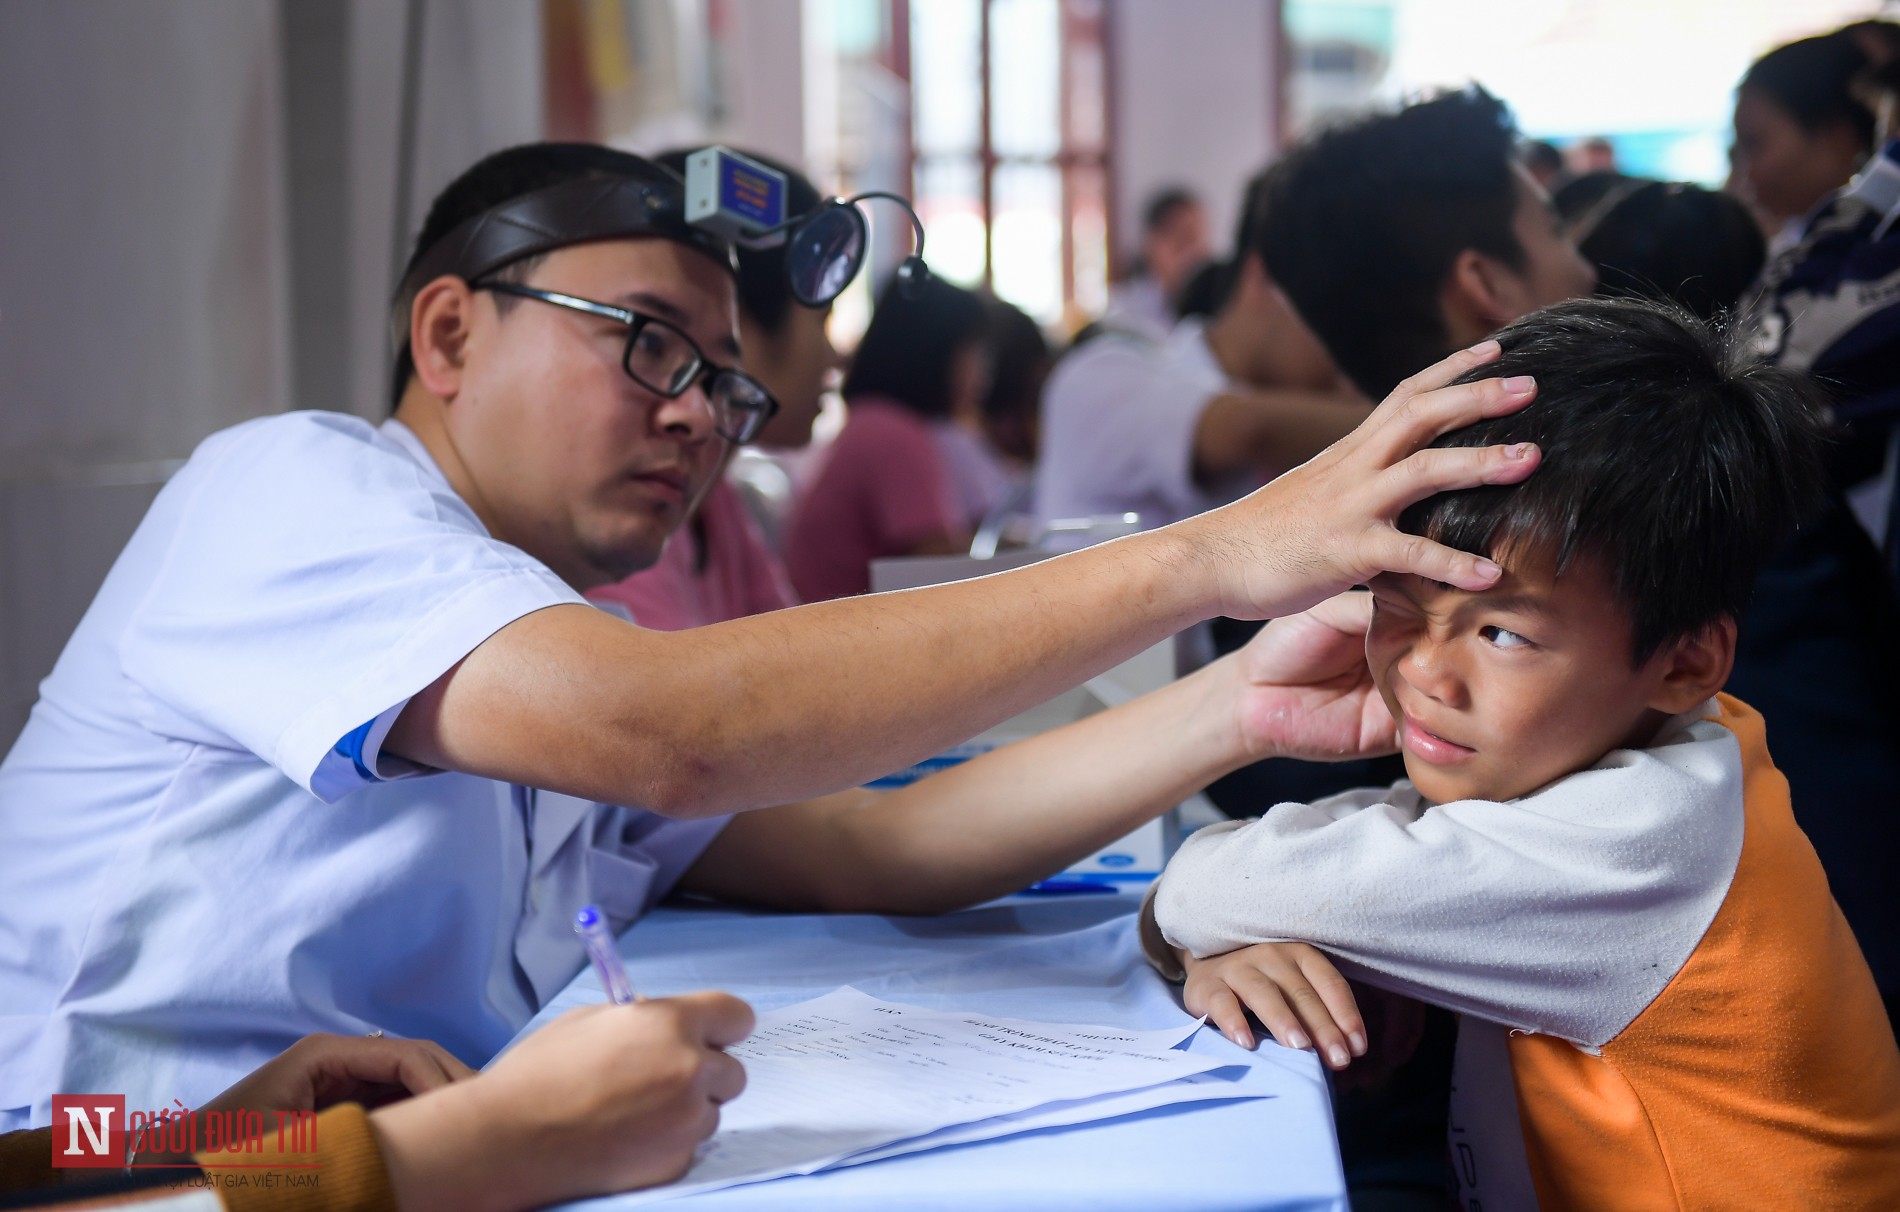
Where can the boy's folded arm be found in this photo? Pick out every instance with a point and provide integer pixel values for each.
(1157, 950)
(1563, 913)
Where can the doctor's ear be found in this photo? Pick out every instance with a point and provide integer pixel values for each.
(439, 322)
(1691, 669)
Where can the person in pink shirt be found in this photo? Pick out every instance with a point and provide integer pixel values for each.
(718, 566)
(883, 487)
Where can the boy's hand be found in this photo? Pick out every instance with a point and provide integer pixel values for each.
(1291, 987)
(1306, 691)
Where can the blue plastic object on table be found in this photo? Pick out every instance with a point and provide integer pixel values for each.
(1058, 959)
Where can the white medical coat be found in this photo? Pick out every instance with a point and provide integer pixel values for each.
(203, 856)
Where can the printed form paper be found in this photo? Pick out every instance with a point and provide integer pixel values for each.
(1194, 1088)
(847, 1072)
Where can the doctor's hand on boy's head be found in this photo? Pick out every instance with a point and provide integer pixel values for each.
(1305, 690)
(605, 1098)
(1332, 522)
(1291, 987)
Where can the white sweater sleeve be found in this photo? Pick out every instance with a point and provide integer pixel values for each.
(1565, 912)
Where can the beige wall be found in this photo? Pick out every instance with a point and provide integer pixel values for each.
(141, 278)
(169, 268)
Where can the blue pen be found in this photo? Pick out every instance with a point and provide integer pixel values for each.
(1058, 886)
(592, 927)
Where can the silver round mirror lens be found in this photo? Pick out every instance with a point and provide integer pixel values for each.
(824, 252)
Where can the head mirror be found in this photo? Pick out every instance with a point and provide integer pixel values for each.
(823, 253)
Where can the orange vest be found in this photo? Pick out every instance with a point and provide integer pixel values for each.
(1764, 1075)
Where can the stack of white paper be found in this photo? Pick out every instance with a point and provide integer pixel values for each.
(846, 1078)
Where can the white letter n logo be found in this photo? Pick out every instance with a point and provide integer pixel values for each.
(76, 1119)
(101, 1120)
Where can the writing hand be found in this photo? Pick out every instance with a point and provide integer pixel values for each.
(605, 1098)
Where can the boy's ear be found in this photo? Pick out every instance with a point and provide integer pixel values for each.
(1694, 667)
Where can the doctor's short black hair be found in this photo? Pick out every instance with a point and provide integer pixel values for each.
(491, 181)
(1361, 225)
(1668, 454)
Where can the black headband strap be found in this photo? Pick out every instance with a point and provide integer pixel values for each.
(572, 212)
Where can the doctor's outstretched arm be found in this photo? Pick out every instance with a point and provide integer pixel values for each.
(804, 702)
(1001, 821)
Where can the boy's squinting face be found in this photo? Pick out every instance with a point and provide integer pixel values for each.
(1500, 692)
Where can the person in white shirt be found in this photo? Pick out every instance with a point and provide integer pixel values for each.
(1173, 423)
(337, 744)
(1174, 244)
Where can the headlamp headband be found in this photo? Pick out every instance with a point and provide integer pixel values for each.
(571, 212)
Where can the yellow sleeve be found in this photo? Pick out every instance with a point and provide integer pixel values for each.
(343, 1173)
(26, 1160)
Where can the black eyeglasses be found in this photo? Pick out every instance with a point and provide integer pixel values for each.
(664, 360)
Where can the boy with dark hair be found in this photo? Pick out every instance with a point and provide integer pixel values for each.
(1594, 861)
(1403, 235)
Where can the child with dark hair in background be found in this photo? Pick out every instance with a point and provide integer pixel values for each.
(1671, 240)
(1019, 364)
(1594, 861)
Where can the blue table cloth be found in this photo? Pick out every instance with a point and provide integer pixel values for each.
(1070, 959)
